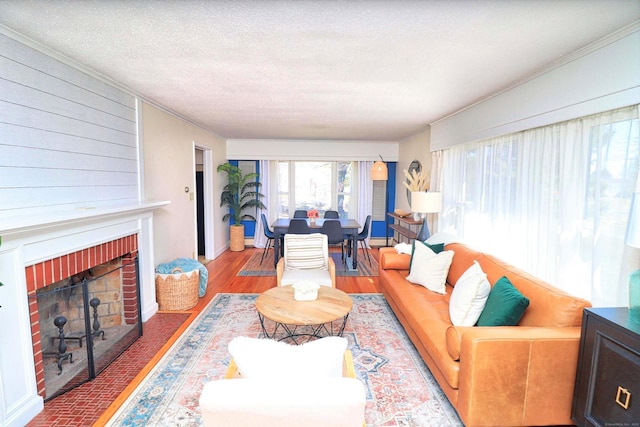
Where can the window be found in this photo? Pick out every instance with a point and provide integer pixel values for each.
(315, 185)
(552, 200)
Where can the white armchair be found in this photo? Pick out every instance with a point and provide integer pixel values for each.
(286, 398)
(306, 257)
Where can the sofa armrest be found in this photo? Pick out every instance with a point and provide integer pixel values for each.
(392, 260)
(515, 375)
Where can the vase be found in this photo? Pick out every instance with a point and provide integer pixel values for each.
(312, 221)
(634, 296)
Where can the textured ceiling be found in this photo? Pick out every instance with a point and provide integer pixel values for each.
(359, 70)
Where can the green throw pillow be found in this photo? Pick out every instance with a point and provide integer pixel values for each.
(437, 248)
(505, 305)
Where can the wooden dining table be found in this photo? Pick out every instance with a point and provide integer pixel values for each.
(349, 227)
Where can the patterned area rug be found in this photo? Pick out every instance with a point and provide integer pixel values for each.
(400, 389)
(253, 267)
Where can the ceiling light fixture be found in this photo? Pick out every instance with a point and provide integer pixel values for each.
(379, 170)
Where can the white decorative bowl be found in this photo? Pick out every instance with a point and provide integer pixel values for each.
(305, 290)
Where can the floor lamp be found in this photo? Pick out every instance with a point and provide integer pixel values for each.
(379, 172)
(424, 203)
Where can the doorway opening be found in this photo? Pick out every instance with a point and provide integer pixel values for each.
(203, 184)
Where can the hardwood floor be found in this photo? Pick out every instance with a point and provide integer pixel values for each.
(223, 270)
(94, 402)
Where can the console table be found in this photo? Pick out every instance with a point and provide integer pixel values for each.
(607, 388)
(404, 226)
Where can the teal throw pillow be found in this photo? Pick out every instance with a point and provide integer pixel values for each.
(505, 305)
(437, 248)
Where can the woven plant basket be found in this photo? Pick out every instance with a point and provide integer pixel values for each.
(236, 238)
(178, 290)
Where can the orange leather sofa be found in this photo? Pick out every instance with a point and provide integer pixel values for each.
(497, 375)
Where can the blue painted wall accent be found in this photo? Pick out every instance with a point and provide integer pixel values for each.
(378, 227)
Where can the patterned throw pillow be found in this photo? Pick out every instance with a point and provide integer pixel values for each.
(305, 252)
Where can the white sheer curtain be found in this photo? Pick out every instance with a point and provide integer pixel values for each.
(552, 200)
(259, 239)
(279, 181)
(365, 194)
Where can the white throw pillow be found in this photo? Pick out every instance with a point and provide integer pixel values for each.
(403, 248)
(469, 296)
(430, 269)
(265, 358)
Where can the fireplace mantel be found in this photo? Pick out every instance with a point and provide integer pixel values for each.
(35, 223)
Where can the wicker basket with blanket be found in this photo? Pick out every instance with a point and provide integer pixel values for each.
(177, 290)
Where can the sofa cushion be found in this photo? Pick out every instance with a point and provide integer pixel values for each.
(469, 296)
(429, 269)
(505, 305)
(462, 261)
(549, 306)
(265, 358)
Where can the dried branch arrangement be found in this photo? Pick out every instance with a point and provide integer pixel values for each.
(416, 181)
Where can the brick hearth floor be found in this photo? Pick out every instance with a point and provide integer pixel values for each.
(83, 405)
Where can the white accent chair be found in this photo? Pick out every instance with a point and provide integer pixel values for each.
(306, 257)
(335, 399)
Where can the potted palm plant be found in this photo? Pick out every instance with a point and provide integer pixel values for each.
(240, 194)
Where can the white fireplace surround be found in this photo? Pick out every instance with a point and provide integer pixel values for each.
(30, 240)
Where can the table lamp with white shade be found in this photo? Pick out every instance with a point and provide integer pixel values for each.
(632, 238)
(424, 203)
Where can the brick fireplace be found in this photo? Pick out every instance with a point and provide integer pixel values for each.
(38, 250)
(43, 274)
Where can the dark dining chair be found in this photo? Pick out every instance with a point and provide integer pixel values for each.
(331, 215)
(333, 229)
(270, 235)
(298, 226)
(300, 214)
(362, 236)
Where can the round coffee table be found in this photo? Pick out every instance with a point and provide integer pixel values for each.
(298, 319)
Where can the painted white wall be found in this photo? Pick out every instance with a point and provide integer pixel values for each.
(270, 149)
(169, 168)
(601, 77)
(413, 148)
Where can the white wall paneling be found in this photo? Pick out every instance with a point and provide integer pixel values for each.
(69, 140)
(603, 77)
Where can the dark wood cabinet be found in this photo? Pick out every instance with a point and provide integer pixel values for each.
(607, 389)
